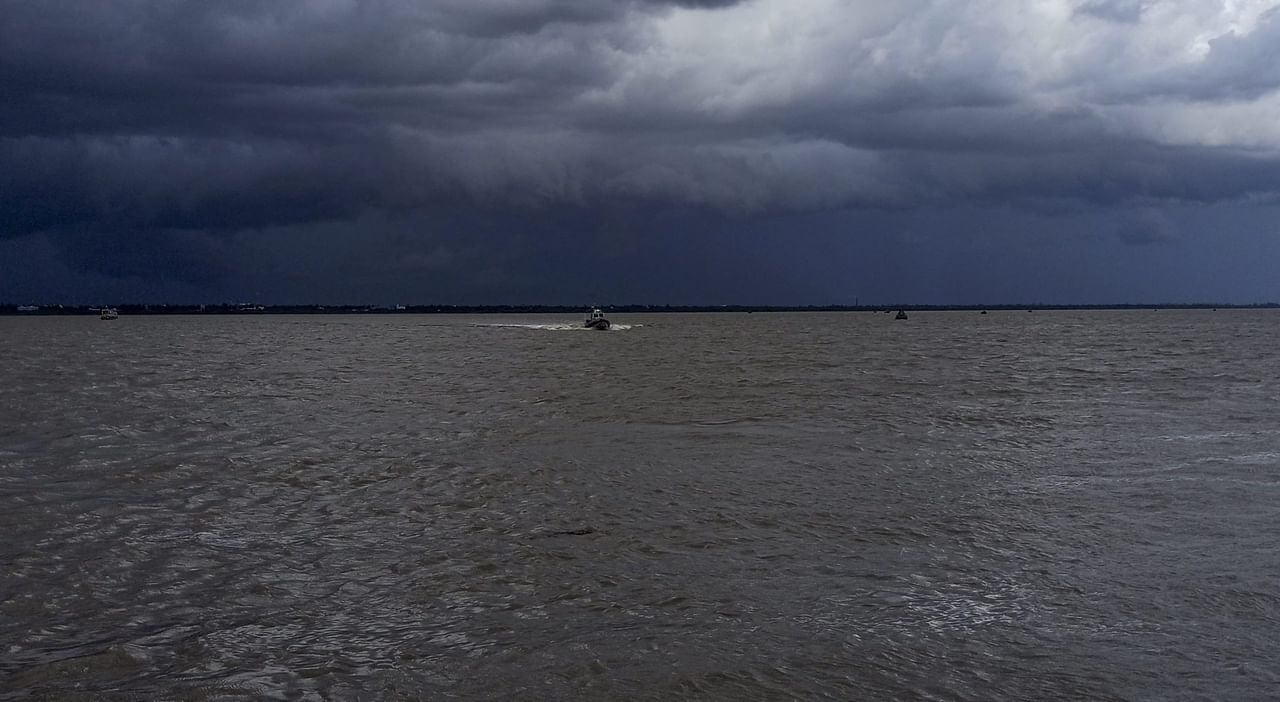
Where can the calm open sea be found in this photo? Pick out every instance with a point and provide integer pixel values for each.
(1012, 506)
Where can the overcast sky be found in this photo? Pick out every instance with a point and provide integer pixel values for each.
(651, 151)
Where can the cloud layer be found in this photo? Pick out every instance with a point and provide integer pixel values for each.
(188, 130)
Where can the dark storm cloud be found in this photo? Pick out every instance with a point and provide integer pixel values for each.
(209, 139)
(1147, 228)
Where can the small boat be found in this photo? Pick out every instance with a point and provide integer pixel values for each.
(595, 320)
(902, 314)
(108, 313)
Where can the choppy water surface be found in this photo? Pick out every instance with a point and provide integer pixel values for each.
(1013, 506)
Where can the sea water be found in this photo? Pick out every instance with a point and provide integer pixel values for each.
(1012, 506)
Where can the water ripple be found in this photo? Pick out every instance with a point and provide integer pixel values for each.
(1050, 506)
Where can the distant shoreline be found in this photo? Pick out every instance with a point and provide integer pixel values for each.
(138, 309)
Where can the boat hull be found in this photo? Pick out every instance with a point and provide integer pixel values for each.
(599, 324)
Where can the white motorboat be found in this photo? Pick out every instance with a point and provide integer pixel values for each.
(596, 320)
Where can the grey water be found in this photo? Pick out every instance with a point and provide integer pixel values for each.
(1012, 506)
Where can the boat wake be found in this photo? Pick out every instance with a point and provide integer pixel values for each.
(565, 326)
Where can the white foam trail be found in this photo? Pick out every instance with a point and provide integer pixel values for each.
(566, 326)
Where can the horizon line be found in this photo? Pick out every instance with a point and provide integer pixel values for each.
(538, 308)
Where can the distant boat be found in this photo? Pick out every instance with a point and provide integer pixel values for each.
(902, 314)
(984, 312)
(108, 313)
(595, 320)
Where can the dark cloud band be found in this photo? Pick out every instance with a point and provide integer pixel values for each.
(185, 126)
